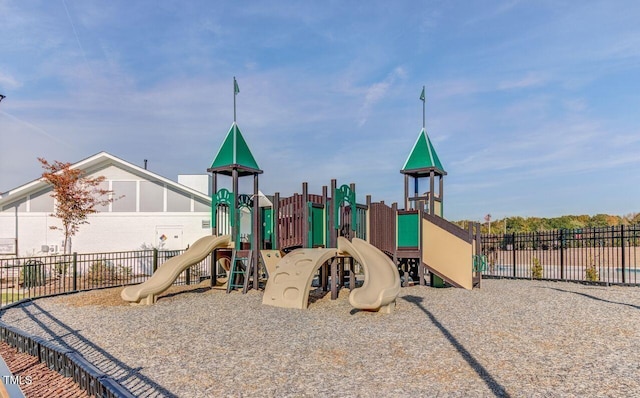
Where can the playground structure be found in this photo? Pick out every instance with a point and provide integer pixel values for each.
(333, 235)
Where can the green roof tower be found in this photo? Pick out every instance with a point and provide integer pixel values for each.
(234, 159)
(234, 153)
(423, 162)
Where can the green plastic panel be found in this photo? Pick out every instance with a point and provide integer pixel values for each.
(408, 230)
(317, 227)
(267, 224)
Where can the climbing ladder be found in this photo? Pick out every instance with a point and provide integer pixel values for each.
(241, 270)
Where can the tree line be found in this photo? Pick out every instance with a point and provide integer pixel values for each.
(533, 224)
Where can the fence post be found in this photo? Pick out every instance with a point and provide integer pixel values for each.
(155, 260)
(188, 276)
(513, 240)
(562, 254)
(75, 271)
(624, 278)
(212, 269)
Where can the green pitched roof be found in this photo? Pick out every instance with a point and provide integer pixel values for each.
(423, 156)
(234, 152)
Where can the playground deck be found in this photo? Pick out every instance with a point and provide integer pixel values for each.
(523, 338)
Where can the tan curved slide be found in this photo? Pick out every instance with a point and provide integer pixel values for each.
(167, 273)
(381, 279)
(289, 284)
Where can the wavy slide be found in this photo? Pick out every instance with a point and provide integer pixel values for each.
(165, 275)
(290, 282)
(381, 279)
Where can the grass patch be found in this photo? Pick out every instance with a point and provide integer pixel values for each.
(7, 298)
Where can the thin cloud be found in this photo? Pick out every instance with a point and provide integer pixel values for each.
(376, 92)
(9, 82)
(530, 80)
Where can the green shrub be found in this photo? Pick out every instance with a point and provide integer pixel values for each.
(536, 269)
(32, 274)
(591, 272)
(61, 268)
(103, 271)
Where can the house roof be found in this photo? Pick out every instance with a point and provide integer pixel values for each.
(94, 163)
(423, 157)
(234, 154)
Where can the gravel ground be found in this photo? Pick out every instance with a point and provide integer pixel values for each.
(518, 338)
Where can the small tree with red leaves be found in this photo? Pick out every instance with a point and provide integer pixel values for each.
(75, 194)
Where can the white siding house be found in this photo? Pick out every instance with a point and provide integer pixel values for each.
(152, 211)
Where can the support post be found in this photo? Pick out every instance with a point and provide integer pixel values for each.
(420, 246)
(324, 276)
(213, 269)
(334, 279)
(623, 257)
(75, 271)
(214, 213)
(441, 196)
(325, 203)
(368, 219)
(305, 215)
(255, 245)
(352, 275)
(513, 239)
(354, 212)
(432, 187)
(406, 192)
(275, 217)
(332, 227)
(562, 254)
(235, 216)
(155, 260)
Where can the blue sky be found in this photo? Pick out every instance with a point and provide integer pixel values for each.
(531, 106)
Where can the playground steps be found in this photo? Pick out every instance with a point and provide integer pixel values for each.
(240, 271)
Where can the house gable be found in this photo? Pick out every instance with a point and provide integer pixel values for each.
(135, 189)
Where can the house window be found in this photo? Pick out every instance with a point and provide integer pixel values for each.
(201, 206)
(151, 196)
(126, 203)
(177, 202)
(103, 208)
(41, 202)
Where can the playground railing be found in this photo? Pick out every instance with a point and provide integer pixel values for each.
(65, 361)
(609, 255)
(23, 278)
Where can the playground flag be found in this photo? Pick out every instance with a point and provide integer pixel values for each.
(422, 95)
(236, 89)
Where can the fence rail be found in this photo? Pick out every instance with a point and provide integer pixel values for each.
(608, 255)
(66, 362)
(32, 277)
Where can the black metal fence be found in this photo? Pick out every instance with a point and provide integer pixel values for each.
(66, 362)
(32, 277)
(606, 255)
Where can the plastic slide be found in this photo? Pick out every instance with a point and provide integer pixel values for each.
(381, 280)
(289, 284)
(167, 273)
(447, 251)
